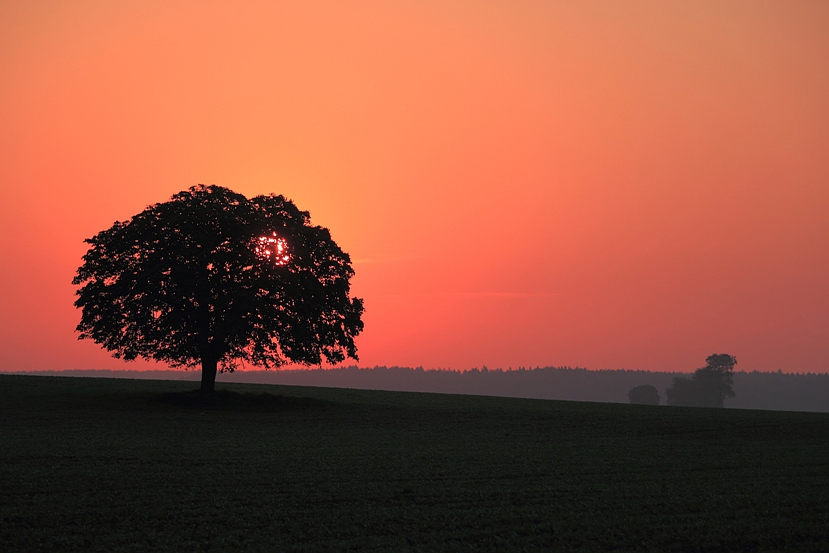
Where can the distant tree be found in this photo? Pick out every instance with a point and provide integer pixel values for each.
(709, 387)
(644, 395)
(212, 278)
(683, 392)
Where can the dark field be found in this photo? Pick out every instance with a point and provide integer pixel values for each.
(128, 465)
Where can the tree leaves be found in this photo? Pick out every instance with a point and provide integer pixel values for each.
(181, 283)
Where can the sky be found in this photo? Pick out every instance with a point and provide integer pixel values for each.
(597, 184)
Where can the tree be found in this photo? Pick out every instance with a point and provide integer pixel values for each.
(709, 387)
(644, 395)
(212, 278)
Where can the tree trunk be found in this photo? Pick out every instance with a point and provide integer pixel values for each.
(208, 375)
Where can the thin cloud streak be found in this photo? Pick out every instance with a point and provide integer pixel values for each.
(474, 294)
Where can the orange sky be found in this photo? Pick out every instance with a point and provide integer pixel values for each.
(605, 184)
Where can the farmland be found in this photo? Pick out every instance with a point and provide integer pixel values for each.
(129, 465)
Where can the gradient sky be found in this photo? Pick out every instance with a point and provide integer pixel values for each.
(611, 185)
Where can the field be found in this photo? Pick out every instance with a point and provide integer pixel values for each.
(127, 465)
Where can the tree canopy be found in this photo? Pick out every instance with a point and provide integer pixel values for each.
(213, 278)
(644, 395)
(709, 387)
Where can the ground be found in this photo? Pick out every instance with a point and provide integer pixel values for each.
(128, 465)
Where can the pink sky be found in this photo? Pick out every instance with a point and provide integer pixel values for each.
(606, 185)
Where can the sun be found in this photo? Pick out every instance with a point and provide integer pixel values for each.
(273, 248)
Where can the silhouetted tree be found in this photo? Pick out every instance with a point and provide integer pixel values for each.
(644, 395)
(212, 278)
(710, 385)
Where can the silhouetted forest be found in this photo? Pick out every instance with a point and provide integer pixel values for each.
(754, 390)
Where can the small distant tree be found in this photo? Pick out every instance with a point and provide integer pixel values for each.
(213, 278)
(710, 386)
(644, 395)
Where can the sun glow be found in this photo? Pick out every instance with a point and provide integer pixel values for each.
(273, 248)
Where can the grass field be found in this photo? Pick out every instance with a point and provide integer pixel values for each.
(128, 465)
